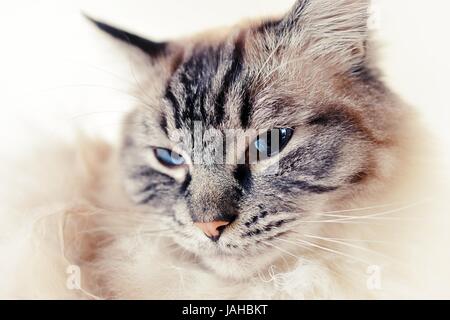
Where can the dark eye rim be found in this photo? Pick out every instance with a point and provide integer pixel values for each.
(289, 136)
(283, 144)
(164, 163)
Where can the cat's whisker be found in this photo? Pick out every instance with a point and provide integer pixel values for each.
(386, 212)
(309, 248)
(140, 217)
(345, 218)
(362, 208)
(365, 249)
(174, 247)
(297, 244)
(160, 235)
(141, 89)
(367, 222)
(280, 249)
(287, 252)
(268, 59)
(103, 70)
(304, 247)
(126, 93)
(124, 221)
(282, 66)
(124, 215)
(334, 251)
(358, 240)
(155, 230)
(374, 216)
(92, 85)
(118, 229)
(341, 221)
(87, 114)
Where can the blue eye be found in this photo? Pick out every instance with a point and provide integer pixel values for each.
(272, 142)
(169, 158)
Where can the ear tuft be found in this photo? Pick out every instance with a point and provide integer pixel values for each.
(152, 48)
(321, 27)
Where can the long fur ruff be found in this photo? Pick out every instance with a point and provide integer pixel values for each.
(66, 209)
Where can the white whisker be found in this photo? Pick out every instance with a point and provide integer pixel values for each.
(374, 216)
(386, 212)
(334, 251)
(268, 59)
(308, 247)
(355, 247)
(280, 249)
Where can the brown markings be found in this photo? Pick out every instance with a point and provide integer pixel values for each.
(359, 177)
(342, 114)
(357, 120)
(177, 59)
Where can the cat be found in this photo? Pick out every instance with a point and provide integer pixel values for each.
(329, 208)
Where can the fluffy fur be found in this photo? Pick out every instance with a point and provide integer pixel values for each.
(376, 209)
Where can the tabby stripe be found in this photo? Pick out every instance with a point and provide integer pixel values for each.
(267, 228)
(246, 109)
(167, 183)
(232, 74)
(313, 188)
(175, 105)
(276, 236)
(300, 7)
(142, 172)
(147, 199)
(185, 184)
(190, 90)
(188, 111)
(181, 224)
(243, 175)
(296, 13)
(163, 124)
(147, 188)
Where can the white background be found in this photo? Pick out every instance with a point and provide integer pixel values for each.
(57, 73)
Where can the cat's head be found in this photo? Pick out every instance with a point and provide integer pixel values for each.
(306, 79)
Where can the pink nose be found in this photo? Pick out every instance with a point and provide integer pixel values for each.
(212, 229)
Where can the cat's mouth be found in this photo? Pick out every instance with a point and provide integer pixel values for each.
(231, 256)
(234, 263)
(205, 247)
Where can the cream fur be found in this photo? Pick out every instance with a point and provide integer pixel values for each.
(44, 231)
(66, 207)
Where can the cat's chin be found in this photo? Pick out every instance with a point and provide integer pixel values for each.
(232, 265)
(238, 267)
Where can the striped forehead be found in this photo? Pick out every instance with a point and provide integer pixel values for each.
(203, 85)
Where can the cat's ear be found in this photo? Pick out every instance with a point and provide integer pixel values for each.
(328, 26)
(150, 48)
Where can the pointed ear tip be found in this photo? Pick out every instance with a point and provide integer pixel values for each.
(152, 48)
(98, 23)
(90, 19)
(86, 16)
(107, 28)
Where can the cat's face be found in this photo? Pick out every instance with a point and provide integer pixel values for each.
(304, 77)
